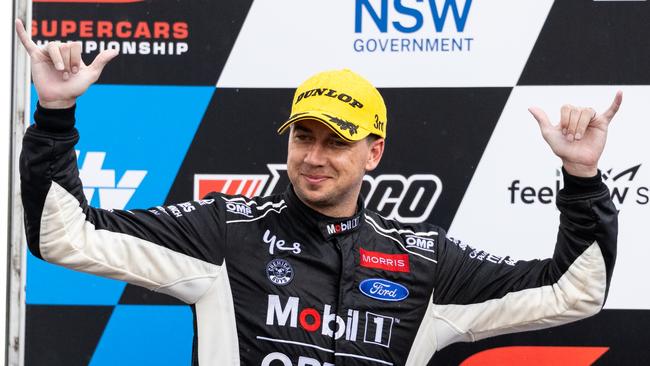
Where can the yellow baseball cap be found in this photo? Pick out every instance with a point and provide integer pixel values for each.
(342, 100)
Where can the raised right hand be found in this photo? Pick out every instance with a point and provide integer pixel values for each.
(58, 72)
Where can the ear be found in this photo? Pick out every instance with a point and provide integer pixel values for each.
(376, 152)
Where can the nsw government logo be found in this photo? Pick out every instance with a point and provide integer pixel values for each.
(380, 289)
(279, 271)
(407, 26)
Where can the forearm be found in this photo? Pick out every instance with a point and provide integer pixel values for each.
(47, 156)
(156, 248)
(588, 217)
(483, 298)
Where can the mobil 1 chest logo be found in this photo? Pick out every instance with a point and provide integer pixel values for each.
(350, 324)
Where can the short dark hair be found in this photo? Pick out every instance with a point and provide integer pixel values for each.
(372, 138)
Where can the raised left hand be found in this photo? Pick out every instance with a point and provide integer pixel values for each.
(579, 139)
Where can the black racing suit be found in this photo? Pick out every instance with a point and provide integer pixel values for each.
(272, 282)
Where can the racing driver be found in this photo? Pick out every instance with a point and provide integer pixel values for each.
(310, 277)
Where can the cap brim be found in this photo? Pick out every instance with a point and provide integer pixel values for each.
(348, 131)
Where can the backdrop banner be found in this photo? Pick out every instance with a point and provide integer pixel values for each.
(193, 101)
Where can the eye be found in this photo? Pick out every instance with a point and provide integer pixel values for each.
(339, 143)
(301, 137)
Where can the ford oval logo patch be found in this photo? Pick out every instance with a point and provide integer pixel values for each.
(384, 290)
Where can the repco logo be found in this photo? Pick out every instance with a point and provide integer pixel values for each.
(377, 328)
(409, 199)
(394, 196)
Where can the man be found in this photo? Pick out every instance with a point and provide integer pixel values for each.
(309, 277)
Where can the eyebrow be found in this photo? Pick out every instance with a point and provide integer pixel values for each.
(301, 128)
(307, 129)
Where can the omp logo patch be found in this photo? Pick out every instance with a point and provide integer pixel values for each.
(97, 179)
(239, 208)
(420, 243)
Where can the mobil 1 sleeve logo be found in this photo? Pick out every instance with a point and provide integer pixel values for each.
(409, 199)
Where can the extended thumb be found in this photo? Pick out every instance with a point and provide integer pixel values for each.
(103, 58)
(540, 116)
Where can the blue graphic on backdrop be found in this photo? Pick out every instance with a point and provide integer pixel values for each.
(146, 335)
(133, 140)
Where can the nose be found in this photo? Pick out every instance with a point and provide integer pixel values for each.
(315, 155)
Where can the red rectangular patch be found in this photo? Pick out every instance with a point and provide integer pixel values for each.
(388, 262)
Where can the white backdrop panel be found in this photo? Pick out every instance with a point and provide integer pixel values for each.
(513, 218)
(283, 42)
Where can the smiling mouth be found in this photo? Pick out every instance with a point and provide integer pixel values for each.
(315, 179)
